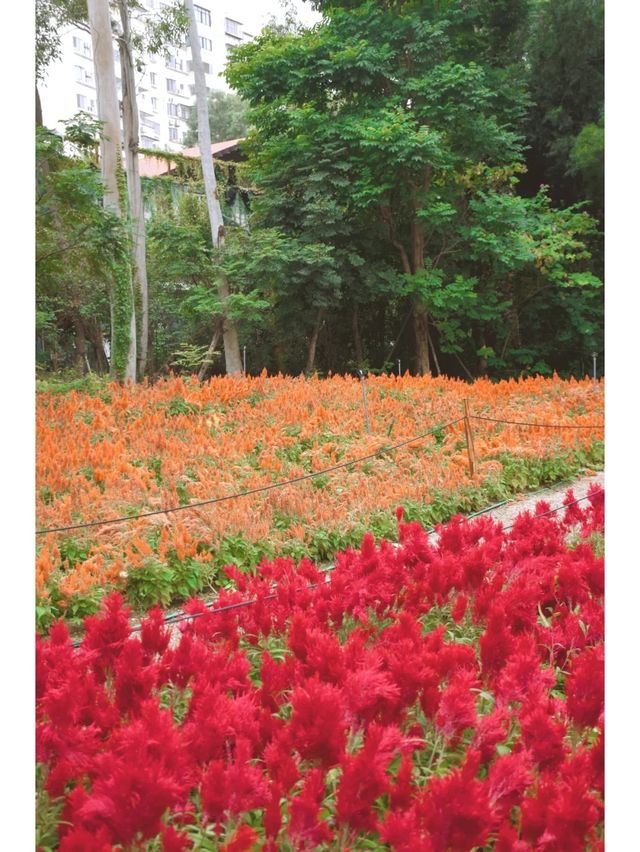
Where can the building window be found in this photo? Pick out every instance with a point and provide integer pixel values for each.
(153, 79)
(154, 104)
(203, 15)
(175, 63)
(206, 43)
(81, 46)
(172, 86)
(232, 27)
(149, 126)
(185, 112)
(173, 109)
(85, 103)
(173, 134)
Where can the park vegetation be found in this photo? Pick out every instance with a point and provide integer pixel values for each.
(423, 184)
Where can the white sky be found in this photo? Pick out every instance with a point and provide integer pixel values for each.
(255, 13)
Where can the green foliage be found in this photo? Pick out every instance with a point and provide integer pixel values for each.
(404, 160)
(150, 584)
(48, 814)
(566, 79)
(394, 135)
(227, 118)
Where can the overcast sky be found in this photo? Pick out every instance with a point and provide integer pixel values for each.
(255, 13)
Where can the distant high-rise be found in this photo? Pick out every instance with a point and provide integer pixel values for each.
(164, 87)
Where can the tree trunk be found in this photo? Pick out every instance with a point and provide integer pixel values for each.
(313, 343)
(95, 336)
(233, 361)
(81, 343)
(131, 127)
(122, 296)
(434, 353)
(357, 339)
(205, 369)
(38, 108)
(421, 331)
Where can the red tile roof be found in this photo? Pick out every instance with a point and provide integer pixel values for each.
(151, 166)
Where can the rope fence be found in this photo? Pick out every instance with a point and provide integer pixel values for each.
(258, 490)
(538, 425)
(467, 417)
(178, 617)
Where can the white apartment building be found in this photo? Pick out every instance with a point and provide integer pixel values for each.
(165, 87)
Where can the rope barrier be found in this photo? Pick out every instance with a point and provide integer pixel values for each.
(178, 617)
(539, 425)
(258, 490)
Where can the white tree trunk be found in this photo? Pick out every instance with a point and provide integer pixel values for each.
(111, 168)
(131, 127)
(232, 358)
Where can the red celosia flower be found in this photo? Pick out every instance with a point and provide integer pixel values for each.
(364, 777)
(543, 735)
(585, 686)
(154, 634)
(490, 731)
(243, 840)
(401, 831)
(133, 680)
(459, 608)
(318, 728)
(522, 678)
(81, 839)
(509, 776)
(457, 709)
(305, 827)
(175, 841)
(456, 810)
(401, 790)
(281, 766)
(234, 788)
(561, 816)
(106, 632)
(430, 696)
(272, 813)
(370, 693)
(216, 720)
(128, 799)
(507, 840)
(496, 643)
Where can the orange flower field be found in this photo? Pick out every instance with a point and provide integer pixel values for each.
(127, 450)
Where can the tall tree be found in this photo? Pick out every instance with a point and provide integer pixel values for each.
(415, 117)
(233, 361)
(122, 297)
(130, 123)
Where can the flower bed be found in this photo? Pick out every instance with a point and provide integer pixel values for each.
(431, 696)
(127, 450)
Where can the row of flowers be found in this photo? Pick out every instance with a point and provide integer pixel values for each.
(440, 694)
(127, 450)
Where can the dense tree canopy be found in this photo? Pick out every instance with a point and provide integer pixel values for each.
(424, 182)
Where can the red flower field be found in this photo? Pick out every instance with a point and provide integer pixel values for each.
(427, 696)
